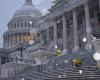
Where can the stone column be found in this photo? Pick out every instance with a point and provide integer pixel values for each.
(4, 41)
(88, 26)
(7, 40)
(41, 38)
(26, 38)
(13, 40)
(55, 32)
(18, 39)
(64, 34)
(75, 25)
(22, 38)
(10, 40)
(96, 19)
(48, 37)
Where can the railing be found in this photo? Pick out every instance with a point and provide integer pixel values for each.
(67, 73)
(42, 70)
(43, 50)
(22, 61)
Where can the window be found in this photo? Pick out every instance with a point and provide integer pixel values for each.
(18, 24)
(32, 24)
(21, 24)
(39, 68)
(29, 25)
(4, 60)
(25, 24)
(12, 26)
(15, 25)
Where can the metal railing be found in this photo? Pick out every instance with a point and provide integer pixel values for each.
(22, 61)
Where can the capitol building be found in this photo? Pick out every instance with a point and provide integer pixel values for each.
(37, 47)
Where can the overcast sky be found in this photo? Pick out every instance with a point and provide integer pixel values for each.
(8, 7)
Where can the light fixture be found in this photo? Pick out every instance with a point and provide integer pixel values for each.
(80, 71)
(56, 64)
(65, 51)
(96, 56)
(59, 76)
(84, 39)
(45, 57)
(66, 61)
(90, 46)
(30, 22)
(56, 47)
(33, 31)
(50, 46)
(94, 38)
(23, 79)
(31, 42)
(58, 21)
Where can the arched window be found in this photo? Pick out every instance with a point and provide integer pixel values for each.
(12, 26)
(25, 24)
(21, 24)
(32, 24)
(29, 25)
(15, 25)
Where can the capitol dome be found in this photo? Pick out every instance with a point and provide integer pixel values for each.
(23, 20)
(28, 9)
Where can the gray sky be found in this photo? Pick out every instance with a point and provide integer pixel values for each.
(8, 7)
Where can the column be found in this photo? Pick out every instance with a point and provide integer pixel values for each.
(7, 41)
(75, 25)
(10, 40)
(88, 26)
(4, 41)
(13, 39)
(55, 32)
(96, 20)
(41, 38)
(29, 38)
(26, 38)
(48, 36)
(18, 39)
(22, 38)
(64, 34)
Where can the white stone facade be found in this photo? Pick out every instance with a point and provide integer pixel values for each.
(65, 26)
